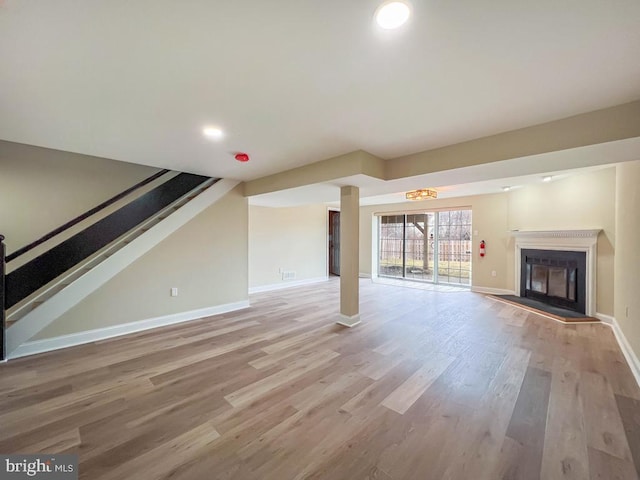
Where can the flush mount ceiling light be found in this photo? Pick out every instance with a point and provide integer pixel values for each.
(392, 14)
(547, 178)
(506, 189)
(421, 194)
(213, 132)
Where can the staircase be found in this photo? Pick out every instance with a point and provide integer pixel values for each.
(41, 290)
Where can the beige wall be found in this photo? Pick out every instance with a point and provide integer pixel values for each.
(489, 219)
(292, 239)
(206, 259)
(41, 189)
(582, 201)
(627, 263)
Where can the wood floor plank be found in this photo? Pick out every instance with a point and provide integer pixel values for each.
(565, 448)
(299, 367)
(435, 383)
(629, 409)
(605, 430)
(403, 397)
(603, 466)
(528, 423)
(155, 463)
(478, 450)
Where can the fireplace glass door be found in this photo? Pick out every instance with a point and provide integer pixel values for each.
(554, 277)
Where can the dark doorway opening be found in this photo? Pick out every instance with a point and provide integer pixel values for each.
(334, 242)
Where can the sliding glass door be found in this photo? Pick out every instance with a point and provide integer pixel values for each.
(430, 246)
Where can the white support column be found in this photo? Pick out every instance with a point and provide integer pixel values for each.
(349, 256)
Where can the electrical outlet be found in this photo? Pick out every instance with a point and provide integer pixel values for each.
(626, 312)
(174, 291)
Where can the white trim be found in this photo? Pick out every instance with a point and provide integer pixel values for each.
(40, 317)
(349, 322)
(592, 233)
(608, 319)
(564, 240)
(627, 351)
(492, 291)
(89, 336)
(364, 275)
(283, 285)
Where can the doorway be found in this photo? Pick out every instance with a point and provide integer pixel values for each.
(334, 242)
(431, 246)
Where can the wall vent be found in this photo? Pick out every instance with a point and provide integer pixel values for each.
(288, 275)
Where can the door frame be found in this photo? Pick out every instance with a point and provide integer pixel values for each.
(329, 209)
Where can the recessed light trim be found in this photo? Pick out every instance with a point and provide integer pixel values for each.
(213, 132)
(547, 178)
(506, 189)
(392, 14)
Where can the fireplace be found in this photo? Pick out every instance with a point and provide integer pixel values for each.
(555, 277)
(572, 282)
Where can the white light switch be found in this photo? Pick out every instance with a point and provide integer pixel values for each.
(174, 292)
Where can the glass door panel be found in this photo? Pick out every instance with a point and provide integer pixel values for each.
(418, 247)
(391, 251)
(454, 247)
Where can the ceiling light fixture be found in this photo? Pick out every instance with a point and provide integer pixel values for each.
(506, 189)
(392, 14)
(213, 132)
(421, 194)
(547, 178)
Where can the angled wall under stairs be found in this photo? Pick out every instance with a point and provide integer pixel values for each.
(104, 268)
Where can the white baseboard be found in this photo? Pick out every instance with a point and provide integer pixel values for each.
(280, 286)
(627, 351)
(608, 319)
(80, 338)
(349, 321)
(364, 275)
(492, 291)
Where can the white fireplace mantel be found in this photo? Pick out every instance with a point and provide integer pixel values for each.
(567, 240)
(592, 234)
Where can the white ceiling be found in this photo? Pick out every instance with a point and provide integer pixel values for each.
(296, 82)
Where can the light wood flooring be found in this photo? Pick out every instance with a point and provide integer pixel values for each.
(431, 385)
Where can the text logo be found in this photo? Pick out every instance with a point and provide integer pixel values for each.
(45, 467)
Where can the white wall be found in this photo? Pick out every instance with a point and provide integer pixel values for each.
(292, 239)
(41, 189)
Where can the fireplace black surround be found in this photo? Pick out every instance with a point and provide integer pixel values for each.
(555, 277)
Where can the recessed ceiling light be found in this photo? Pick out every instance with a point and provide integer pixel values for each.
(392, 14)
(213, 132)
(547, 178)
(506, 189)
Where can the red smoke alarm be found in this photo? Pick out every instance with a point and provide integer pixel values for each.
(242, 157)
